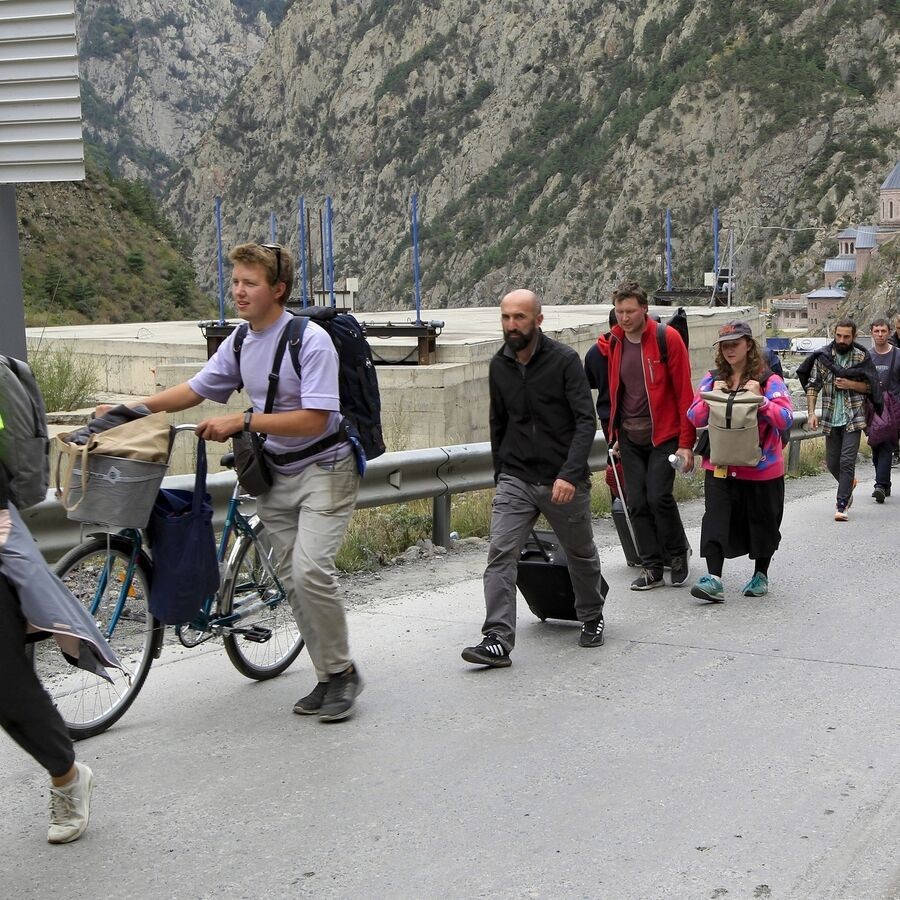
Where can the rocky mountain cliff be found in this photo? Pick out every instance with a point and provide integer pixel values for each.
(155, 72)
(546, 138)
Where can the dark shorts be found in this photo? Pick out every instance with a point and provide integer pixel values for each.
(742, 518)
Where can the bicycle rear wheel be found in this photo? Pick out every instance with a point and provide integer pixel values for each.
(95, 573)
(251, 582)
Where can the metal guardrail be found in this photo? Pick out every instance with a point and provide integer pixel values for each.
(436, 473)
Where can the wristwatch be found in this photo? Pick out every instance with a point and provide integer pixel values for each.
(247, 417)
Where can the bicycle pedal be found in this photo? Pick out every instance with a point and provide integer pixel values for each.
(257, 634)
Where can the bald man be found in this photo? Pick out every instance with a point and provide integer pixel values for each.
(542, 428)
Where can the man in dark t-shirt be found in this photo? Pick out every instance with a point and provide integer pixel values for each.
(887, 364)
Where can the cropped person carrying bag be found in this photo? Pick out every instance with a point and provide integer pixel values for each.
(733, 427)
(183, 545)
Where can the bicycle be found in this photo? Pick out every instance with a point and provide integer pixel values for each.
(111, 575)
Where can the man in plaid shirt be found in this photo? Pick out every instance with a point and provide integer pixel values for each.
(844, 375)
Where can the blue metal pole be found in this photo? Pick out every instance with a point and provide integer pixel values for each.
(330, 232)
(668, 250)
(301, 217)
(271, 228)
(220, 265)
(415, 241)
(716, 240)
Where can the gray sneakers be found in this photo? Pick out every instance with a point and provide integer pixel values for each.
(70, 807)
(312, 702)
(340, 695)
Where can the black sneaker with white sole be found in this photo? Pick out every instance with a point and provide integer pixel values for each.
(490, 652)
(312, 702)
(679, 571)
(591, 633)
(647, 580)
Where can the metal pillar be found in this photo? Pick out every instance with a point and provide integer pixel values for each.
(440, 520)
(12, 303)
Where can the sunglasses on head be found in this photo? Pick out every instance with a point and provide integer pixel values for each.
(276, 249)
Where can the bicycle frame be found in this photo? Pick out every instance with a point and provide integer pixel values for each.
(206, 621)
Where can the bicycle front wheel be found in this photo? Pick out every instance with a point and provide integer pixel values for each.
(96, 573)
(271, 640)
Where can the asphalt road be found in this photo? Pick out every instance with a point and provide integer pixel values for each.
(745, 750)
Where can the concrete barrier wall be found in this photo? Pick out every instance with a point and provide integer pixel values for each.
(423, 406)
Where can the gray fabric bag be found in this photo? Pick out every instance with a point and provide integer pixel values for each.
(733, 428)
(24, 445)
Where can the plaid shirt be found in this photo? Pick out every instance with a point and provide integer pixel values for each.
(822, 380)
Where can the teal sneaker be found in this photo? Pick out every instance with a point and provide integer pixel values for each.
(757, 586)
(709, 588)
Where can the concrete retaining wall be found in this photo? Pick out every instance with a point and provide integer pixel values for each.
(423, 406)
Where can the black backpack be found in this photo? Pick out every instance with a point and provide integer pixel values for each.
(680, 323)
(358, 383)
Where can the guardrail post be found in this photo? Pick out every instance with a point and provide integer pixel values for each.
(794, 456)
(440, 520)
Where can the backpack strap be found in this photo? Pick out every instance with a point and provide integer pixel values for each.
(275, 374)
(295, 329)
(661, 342)
(239, 336)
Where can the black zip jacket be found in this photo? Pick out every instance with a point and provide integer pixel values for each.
(542, 416)
(863, 371)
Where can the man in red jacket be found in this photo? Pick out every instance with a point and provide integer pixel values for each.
(649, 395)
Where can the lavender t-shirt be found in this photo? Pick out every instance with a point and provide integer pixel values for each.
(318, 388)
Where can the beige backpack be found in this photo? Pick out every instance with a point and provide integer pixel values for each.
(733, 428)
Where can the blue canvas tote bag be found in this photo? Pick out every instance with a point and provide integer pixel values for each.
(183, 545)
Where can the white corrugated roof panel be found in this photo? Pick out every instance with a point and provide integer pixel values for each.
(40, 102)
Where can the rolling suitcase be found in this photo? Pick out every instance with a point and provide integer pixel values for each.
(543, 578)
(622, 520)
(625, 529)
(622, 523)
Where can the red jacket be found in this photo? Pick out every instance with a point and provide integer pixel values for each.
(668, 384)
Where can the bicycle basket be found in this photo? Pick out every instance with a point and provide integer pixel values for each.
(120, 492)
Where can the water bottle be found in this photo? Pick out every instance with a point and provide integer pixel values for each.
(676, 462)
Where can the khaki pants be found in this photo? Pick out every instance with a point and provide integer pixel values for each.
(306, 516)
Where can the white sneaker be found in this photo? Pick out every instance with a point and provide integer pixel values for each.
(70, 807)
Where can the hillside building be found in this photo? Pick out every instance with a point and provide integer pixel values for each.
(789, 312)
(857, 245)
(822, 304)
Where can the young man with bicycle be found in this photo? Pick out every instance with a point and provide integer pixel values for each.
(308, 507)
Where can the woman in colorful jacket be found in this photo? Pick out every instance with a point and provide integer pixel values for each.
(744, 504)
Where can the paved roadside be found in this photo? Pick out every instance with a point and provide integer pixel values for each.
(743, 750)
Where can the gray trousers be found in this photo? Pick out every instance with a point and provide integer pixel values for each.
(306, 516)
(516, 508)
(841, 448)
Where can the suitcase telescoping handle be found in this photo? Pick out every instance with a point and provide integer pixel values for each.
(612, 461)
(540, 546)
